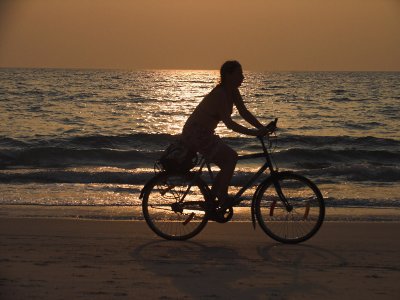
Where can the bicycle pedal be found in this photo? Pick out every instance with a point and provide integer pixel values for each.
(227, 203)
(221, 216)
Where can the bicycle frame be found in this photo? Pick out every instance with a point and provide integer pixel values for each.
(288, 207)
(267, 165)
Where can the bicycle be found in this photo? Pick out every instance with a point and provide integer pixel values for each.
(287, 206)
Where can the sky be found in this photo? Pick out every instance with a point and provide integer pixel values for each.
(267, 35)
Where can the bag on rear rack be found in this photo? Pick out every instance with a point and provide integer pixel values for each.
(178, 158)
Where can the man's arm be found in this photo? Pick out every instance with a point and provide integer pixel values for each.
(241, 129)
(229, 123)
(244, 112)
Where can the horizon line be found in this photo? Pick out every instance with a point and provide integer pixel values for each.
(187, 69)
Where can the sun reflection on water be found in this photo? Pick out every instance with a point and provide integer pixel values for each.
(79, 102)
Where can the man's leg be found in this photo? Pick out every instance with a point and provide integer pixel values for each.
(225, 158)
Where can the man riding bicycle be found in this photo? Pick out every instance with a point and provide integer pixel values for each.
(178, 203)
(198, 133)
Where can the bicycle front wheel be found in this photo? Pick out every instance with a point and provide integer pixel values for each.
(289, 208)
(174, 206)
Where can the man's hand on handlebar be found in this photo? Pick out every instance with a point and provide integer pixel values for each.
(268, 128)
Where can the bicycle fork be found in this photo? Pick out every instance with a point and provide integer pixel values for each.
(289, 207)
(282, 197)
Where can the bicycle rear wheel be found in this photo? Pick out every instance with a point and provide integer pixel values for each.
(173, 211)
(300, 219)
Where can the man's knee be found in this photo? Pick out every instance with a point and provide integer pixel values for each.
(225, 157)
(234, 157)
(229, 160)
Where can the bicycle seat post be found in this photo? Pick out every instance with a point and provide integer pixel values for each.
(263, 144)
(210, 171)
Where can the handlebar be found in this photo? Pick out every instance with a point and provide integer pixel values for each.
(271, 128)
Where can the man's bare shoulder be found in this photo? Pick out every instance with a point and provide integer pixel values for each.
(217, 93)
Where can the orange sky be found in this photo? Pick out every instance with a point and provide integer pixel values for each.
(275, 35)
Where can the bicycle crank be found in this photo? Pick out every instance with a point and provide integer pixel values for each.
(223, 216)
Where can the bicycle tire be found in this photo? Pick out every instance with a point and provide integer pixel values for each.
(165, 213)
(290, 226)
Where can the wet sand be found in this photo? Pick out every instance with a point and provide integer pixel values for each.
(82, 259)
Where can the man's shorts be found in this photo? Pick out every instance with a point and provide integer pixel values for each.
(201, 140)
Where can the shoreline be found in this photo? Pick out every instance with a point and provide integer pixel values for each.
(72, 259)
(241, 214)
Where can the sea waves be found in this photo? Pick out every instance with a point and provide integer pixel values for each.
(325, 159)
(77, 137)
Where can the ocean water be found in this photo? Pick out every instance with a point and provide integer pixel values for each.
(90, 137)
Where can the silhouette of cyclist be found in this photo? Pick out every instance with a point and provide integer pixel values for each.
(198, 133)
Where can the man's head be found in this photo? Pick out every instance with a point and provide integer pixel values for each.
(231, 73)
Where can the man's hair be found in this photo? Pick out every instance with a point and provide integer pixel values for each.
(228, 67)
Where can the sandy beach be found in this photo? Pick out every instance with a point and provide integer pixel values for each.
(86, 259)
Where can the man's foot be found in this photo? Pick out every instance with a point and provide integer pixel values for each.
(226, 202)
